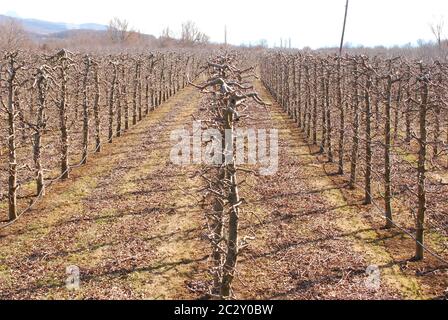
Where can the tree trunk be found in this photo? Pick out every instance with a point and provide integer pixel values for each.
(324, 112)
(65, 169)
(294, 90)
(124, 97)
(387, 157)
(355, 142)
(341, 120)
(96, 111)
(299, 95)
(397, 112)
(111, 103)
(12, 187)
(421, 178)
(328, 118)
(134, 96)
(85, 110)
(146, 96)
(119, 110)
(217, 236)
(316, 92)
(139, 79)
(368, 137)
(307, 114)
(40, 127)
(232, 239)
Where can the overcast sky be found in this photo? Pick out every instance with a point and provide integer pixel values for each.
(314, 23)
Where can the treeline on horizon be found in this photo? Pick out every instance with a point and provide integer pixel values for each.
(120, 36)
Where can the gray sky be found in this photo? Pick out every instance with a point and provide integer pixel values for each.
(314, 23)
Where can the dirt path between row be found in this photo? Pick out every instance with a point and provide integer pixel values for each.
(129, 220)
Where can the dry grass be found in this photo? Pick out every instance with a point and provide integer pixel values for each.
(131, 221)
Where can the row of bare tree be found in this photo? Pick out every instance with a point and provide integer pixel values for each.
(52, 105)
(229, 90)
(385, 120)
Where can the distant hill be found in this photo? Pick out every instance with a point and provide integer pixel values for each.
(73, 33)
(45, 28)
(40, 32)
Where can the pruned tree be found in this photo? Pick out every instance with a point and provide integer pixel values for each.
(12, 113)
(387, 150)
(355, 128)
(424, 80)
(368, 135)
(41, 83)
(64, 63)
(96, 107)
(112, 98)
(229, 95)
(85, 108)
